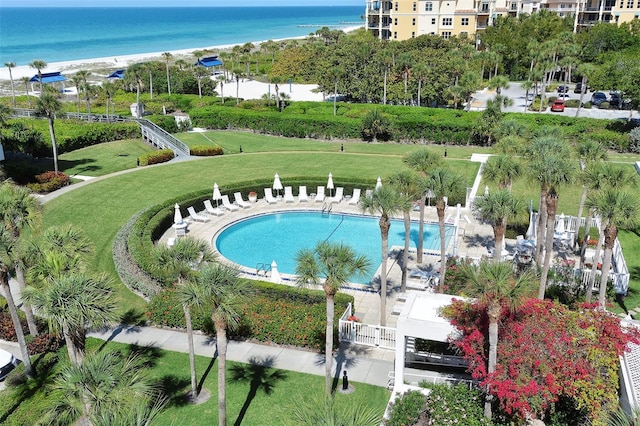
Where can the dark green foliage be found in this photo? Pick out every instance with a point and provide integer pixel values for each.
(572, 103)
(155, 157)
(166, 122)
(20, 171)
(206, 150)
(274, 313)
(19, 136)
(48, 182)
(406, 409)
(457, 404)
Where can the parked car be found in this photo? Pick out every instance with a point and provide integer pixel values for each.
(7, 363)
(578, 88)
(563, 89)
(598, 97)
(557, 105)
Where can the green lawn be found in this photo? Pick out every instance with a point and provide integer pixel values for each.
(104, 158)
(171, 370)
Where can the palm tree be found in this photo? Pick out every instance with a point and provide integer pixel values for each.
(7, 250)
(224, 291)
(385, 201)
(586, 70)
(526, 85)
(109, 90)
(497, 208)
(39, 65)
(20, 212)
(444, 184)
(71, 303)
(498, 83)
(336, 263)
(49, 105)
(406, 183)
(25, 81)
(502, 169)
(221, 79)
(422, 161)
(559, 171)
(10, 65)
(133, 78)
(77, 80)
(589, 152)
(200, 72)
(167, 57)
(495, 287)
(420, 71)
(105, 389)
(180, 262)
(616, 208)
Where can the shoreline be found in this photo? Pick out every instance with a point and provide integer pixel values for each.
(113, 63)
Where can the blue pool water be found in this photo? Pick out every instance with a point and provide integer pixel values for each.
(279, 237)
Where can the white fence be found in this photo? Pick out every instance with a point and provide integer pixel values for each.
(365, 334)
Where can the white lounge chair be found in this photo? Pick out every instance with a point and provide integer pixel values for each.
(320, 194)
(215, 211)
(288, 195)
(195, 216)
(339, 195)
(239, 201)
(355, 198)
(302, 194)
(227, 204)
(268, 196)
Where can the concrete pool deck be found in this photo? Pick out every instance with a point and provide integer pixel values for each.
(473, 239)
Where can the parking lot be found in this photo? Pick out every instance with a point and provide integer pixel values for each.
(517, 95)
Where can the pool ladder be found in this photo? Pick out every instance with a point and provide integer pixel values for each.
(263, 269)
(326, 208)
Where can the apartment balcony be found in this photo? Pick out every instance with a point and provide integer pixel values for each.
(597, 9)
(376, 25)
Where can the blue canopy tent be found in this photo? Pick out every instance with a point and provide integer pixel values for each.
(48, 77)
(209, 61)
(117, 74)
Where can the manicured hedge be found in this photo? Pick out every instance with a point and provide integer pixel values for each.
(274, 313)
(206, 150)
(156, 157)
(48, 182)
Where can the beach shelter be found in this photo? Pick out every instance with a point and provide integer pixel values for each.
(217, 196)
(116, 75)
(209, 61)
(277, 185)
(379, 183)
(330, 184)
(48, 78)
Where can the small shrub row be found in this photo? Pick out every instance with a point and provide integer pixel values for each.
(48, 182)
(274, 313)
(206, 150)
(7, 331)
(156, 157)
(44, 343)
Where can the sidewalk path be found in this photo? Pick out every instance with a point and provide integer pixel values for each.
(362, 364)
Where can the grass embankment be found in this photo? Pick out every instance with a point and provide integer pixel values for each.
(105, 158)
(25, 404)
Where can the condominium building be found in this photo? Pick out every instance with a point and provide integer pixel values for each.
(404, 19)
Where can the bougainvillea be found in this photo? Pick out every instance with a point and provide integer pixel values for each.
(546, 351)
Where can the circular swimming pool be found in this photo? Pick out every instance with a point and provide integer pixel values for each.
(279, 236)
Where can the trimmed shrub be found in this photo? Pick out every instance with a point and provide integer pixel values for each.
(7, 331)
(206, 151)
(634, 140)
(166, 122)
(44, 343)
(604, 105)
(451, 405)
(49, 181)
(155, 157)
(406, 409)
(572, 103)
(274, 313)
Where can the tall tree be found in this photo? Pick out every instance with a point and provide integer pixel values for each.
(407, 184)
(49, 105)
(330, 265)
(39, 65)
(444, 184)
(616, 208)
(25, 81)
(180, 263)
(385, 201)
(223, 290)
(200, 72)
(423, 161)
(589, 151)
(502, 169)
(9, 66)
(167, 58)
(71, 303)
(496, 288)
(109, 90)
(497, 208)
(20, 212)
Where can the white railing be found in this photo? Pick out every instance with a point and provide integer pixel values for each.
(365, 334)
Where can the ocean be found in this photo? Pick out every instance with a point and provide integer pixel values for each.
(65, 34)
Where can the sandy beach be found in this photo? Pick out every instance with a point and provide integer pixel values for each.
(247, 89)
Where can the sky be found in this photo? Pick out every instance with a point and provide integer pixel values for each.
(173, 3)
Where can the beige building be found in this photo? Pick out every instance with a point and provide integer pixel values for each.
(404, 19)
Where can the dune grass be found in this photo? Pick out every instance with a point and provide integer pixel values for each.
(171, 371)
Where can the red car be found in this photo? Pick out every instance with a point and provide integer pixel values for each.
(557, 105)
